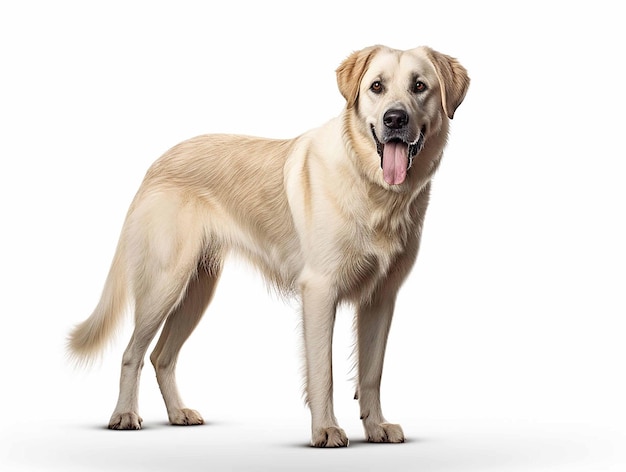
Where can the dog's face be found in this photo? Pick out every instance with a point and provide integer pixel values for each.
(400, 99)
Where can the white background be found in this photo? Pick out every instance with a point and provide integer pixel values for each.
(507, 351)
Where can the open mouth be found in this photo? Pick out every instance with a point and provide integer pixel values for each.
(396, 156)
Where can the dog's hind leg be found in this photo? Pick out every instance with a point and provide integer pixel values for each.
(164, 241)
(151, 310)
(178, 327)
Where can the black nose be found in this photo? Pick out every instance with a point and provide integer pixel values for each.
(395, 119)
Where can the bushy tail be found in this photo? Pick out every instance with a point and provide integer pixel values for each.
(90, 337)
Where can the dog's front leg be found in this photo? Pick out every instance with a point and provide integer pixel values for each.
(319, 307)
(373, 323)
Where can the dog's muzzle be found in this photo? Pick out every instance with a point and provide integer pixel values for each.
(396, 155)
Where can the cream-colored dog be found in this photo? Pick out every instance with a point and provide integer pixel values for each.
(335, 215)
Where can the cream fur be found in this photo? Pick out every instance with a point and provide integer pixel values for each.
(312, 213)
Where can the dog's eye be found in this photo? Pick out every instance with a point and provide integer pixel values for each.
(376, 87)
(419, 87)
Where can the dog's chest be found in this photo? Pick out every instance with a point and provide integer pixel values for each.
(368, 252)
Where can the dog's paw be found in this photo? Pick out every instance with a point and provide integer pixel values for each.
(186, 417)
(329, 437)
(125, 421)
(385, 433)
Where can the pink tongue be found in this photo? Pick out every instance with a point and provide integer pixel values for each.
(395, 162)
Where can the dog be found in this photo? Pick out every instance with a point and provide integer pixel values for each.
(334, 215)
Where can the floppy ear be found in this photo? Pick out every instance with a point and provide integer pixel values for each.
(453, 80)
(350, 73)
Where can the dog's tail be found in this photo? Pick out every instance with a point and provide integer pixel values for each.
(91, 336)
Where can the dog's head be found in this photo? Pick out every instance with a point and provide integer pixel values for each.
(400, 99)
